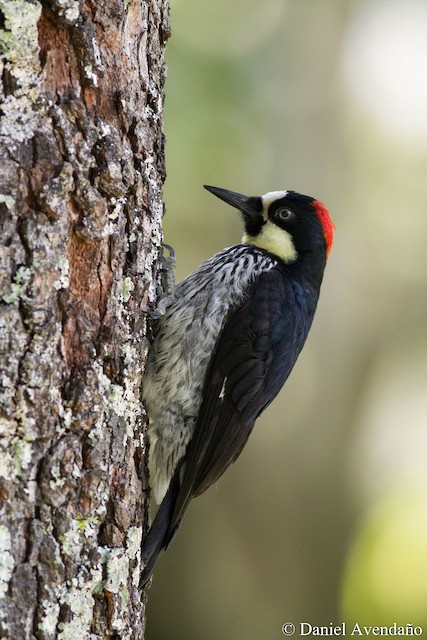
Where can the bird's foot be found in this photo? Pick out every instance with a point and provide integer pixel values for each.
(167, 283)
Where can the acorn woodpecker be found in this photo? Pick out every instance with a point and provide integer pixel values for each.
(226, 343)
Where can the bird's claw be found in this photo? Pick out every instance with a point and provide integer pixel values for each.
(167, 283)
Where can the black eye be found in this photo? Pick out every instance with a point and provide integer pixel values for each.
(284, 214)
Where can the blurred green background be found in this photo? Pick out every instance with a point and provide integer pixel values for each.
(324, 516)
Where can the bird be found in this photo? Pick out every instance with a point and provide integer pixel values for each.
(224, 346)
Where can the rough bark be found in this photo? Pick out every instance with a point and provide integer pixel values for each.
(82, 167)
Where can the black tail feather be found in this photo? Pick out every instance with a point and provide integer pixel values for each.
(160, 535)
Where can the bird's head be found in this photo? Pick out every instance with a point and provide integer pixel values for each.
(285, 223)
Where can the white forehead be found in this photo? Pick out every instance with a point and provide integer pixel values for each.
(271, 197)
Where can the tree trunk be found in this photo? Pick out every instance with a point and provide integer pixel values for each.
(82, 168)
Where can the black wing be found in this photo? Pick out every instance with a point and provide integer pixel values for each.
(255, 353)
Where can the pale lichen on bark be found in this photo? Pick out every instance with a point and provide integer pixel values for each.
(81, 148)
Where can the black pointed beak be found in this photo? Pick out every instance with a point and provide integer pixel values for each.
(250, 206)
